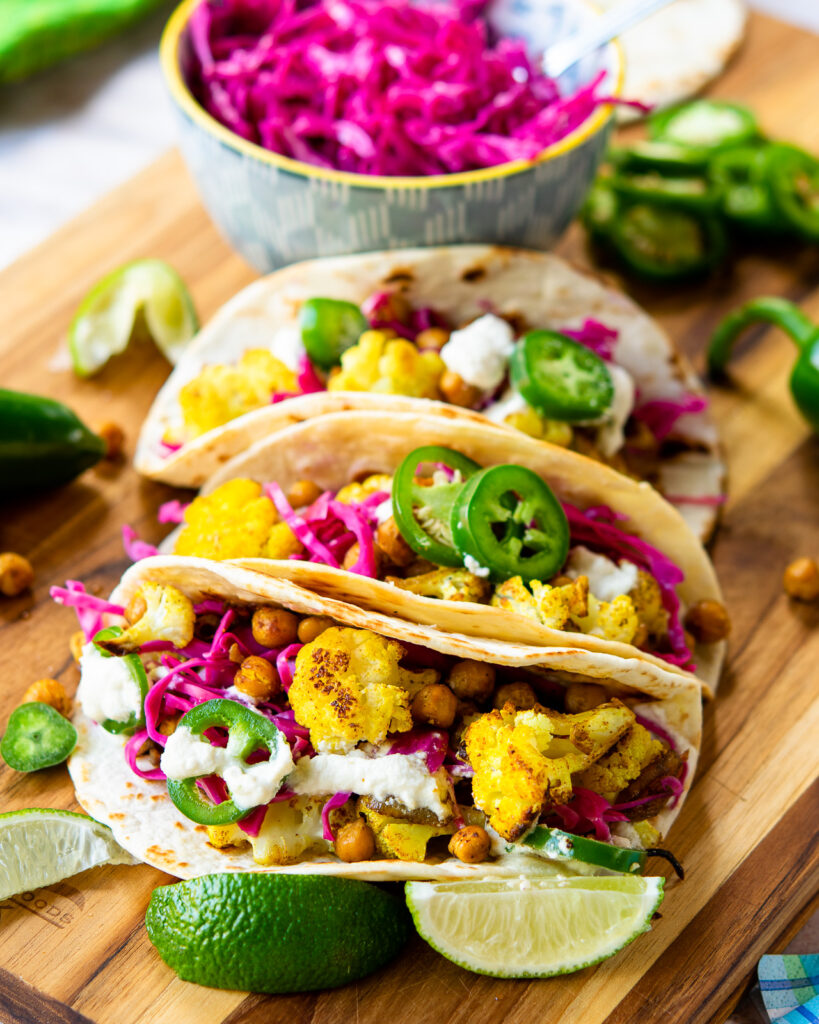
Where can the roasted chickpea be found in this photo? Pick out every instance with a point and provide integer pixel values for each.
(355, 842)
(257, 678)
(472, 680)
(16, 574)
(456, 391)
(303, 492)
(561, 581)
(801, 579)
(168, 725)
(135, 608)
(235, 654)
(48, 691)
(433, 338)
(274, 627)
(520, 694)
(708, 621)
(434, 704)
(76, 644)
(583, 697)
(313, 626)
(470, 844)
(353, 553)
(114, 437)
(393, 307)
(388, 537)
(640, 638)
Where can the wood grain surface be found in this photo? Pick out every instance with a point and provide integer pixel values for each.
(78, 951)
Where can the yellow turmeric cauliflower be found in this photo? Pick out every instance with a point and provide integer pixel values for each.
(446, 584)
(390, 366)
(648, 603)
(524, 760)
(532, 423)
(290, 828)
(221, 393)
(235, 521)
(348, 687)
(168, 615)
(355, 492)
(626, 760)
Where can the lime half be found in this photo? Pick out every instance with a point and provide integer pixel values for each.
(40, 846)
(533, 927)
(104, 322)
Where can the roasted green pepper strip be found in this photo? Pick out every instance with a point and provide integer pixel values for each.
(42, 443)
(664, 243)
(793, 177)
(508, 520)
(789, 318)
(422, 513)
(561, 378)
(555, 844)
(136, 719)
(705, 124)
(37, 736)
(328, 328)
(247, 731)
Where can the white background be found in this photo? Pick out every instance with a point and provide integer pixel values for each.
(72, 133)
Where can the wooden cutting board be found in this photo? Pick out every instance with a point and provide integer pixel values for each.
(78, 951)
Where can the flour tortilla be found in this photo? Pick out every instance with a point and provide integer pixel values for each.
(677, 51)
(458, 281)
(332, 449)
(147, 824)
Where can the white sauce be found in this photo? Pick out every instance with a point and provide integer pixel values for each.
(475, 567)
(187, 756)
(610, 436)
(107, 689)
(402, 776)
(607, 579)
(383, 512)
(286, 346)
(509, 403)
(479, 352)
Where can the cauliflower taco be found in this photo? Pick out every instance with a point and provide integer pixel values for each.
(517, 337)
(455, 524)
(229, 722)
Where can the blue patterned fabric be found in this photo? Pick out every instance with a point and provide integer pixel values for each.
(790, 988)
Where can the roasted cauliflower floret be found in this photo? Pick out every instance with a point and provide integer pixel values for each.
(528, 421)
(221, 393)
(647, 599)
(446, 584)
(524, 760)
(168, 615)
(635, 751)
(235, 521)
(353, 493)
(613, 620)
(404, 837)
(348, 686)
(290, 828)
(282, 542)
(514, 596)
(390, 366)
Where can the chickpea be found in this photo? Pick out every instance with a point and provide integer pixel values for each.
(76, 644)
(312, 627)
(303, 492)
(351, 556)
(801, 579)
(16, 574)
(520, 694)
(114, 437)
(434, 704)
(470, 844)
(433, 338)
(257, 678)
(135, 608)
(393, 307)
(168, 725)
(48, 691)
(472, 680)
(561, 581)
(708, 621)
(235, 654)
(274, 627)
(355, 842)
(388, 537)
(456, 391)
(640, 638)
(583, 697)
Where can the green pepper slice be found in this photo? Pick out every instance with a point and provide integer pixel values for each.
(136, 720)
(694, 192)
(663, 243)
(558, 845)
(600, 210)
(328, 328)
(793, 176)
(37, 736)
(705, 124)
(741, 175)
(664, 157)
(423, 513)
(561, 378)
(247, 731)
(508, 520)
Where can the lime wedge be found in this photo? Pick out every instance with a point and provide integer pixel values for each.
(42, 846)
(104, 322)
(533, 927)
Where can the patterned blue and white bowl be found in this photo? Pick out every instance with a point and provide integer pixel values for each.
(275, 210)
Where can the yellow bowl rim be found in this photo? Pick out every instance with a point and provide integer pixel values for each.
(168, 50)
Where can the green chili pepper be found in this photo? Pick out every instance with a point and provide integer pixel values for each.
(561, 378)
(37, 736)
(695, 192)
(705, 124)
(665, 157)
(42, 443)
(510, 522)
(741, 175)
(247, 731)
(793, 176)
(136, 720)
(555, 844)
(789, 318)
(600, 210)
(423, 513)
(328, 328)
(664, 243)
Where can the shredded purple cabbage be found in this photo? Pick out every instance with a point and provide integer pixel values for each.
(661, 414)
(596, 336)
(89, 609)
(337, 800)
(135, 548)
(385, 87)
(432, 743)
